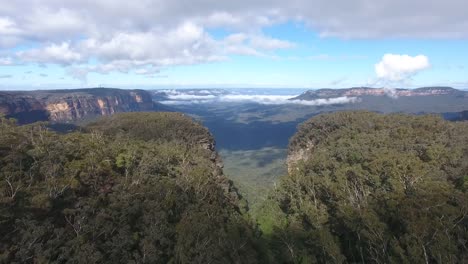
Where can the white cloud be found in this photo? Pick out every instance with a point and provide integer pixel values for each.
(54, 24)
(329, 101)
(147, 52)
(7, 26)
(395, 68)
(53, 53)
(160, 33)
(185, 44)
(191, 97)
(253, 45)
(6, 61)
(52, 19)
(261, 99)
(267, 43)
(180, 97)
(147, 71)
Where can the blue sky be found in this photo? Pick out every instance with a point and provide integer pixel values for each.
(217, 44)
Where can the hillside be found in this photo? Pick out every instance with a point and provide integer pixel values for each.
(131, 188)
(363, 91)
(72, 105)
(372, 188)
(416, 101)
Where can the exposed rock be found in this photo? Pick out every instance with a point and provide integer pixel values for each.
(362, 91)
(297, 155)
(73, 105)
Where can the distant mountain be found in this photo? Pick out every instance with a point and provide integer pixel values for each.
(367, 91)
(72, 105)
(416, 101)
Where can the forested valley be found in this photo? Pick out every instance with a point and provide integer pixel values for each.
(132, 188)
(149, 188)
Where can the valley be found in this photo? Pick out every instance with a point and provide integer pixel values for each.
(263, 178)
(233, 132)
(251, 127)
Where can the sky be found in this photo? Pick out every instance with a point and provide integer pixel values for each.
(46, 44)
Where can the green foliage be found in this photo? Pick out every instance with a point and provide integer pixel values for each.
(134, 188)
(375, 188)
(148, 188)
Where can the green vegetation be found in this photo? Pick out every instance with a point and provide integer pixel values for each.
(149, 188)
(373, 189)
(133, 188)
(254, 172)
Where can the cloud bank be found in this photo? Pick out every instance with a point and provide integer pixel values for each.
(179, 97)
(103, 36)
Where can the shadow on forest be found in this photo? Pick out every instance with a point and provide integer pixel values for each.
(30, 117)
(255, 135)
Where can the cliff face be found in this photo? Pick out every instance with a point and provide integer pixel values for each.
(296, 155)
(366, 91)
(73, 105)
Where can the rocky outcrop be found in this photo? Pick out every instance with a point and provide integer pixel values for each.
(74, 105)
(366, 91)
(297, 155)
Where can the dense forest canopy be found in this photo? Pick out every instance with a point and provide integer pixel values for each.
(373, 188)
(133, 188)
(149, 188)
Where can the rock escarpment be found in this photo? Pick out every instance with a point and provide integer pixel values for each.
(72, 105)
(366, 91)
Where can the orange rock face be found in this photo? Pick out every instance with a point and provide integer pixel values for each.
(73, 105)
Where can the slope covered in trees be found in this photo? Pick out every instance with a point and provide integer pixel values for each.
(132, 188)
(372, 188)
(149, 188)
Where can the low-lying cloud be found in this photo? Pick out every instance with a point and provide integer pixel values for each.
(180, 98)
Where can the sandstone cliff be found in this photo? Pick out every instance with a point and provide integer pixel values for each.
(366, 91)
(72, 105)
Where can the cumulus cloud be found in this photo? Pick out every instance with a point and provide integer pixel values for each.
(395, 67)
(348, 19)
(53, 53)
(166, 33)
(147, 52)
(252, 45)
(7, 26)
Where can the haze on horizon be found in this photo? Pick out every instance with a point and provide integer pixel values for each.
(298, 44)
